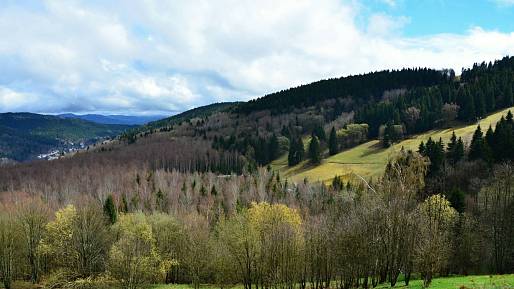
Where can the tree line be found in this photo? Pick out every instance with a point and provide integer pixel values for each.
(363, 88)
(495, 146)
(482, 89)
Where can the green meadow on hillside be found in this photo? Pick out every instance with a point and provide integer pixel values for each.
(369, 159)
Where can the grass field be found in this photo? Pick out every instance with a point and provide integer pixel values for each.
(369, 159)
(458, 282)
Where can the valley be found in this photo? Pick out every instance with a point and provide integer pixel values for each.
(27, 136)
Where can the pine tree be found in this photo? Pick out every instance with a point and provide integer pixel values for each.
(489, 137)
(314, 150)
(110, 209)
(296, 151)
(435, 152)
(453, 142)
(389, 135)
(467, 104)
(273, 148)
(452, 146)
(455, 149)
(509, 98)
(476, 149)
(422, 148)
(459, 151)
(337, 183)
(332, 142)
(291, 154)
(319, 132)
(480, 106)
(509, 117)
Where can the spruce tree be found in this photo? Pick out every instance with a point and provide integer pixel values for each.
(337, 183)
(110, 209)
(476, 148)
(453, 142)
(509, 117)
(459, 151)
(435, 152)
(291, 153)
(422, 148)
(508, 95)
(314, 150)
(332, 142)
(467, 103)
(273, 148)
(389, 135)
(319, 132)
(437, 158)
(452, 146)
(489, 138)
(296, 151)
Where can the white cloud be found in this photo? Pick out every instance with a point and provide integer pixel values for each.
(154, 55)
(384, 25)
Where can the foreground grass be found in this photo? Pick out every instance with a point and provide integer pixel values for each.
(456, 282)
(369, 159)
(463, 282)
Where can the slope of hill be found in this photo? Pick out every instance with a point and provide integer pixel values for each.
(114, 119)
(369, 159)
(167, 124)
(25, 135)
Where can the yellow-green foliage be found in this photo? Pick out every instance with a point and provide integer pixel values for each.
(369, 159)
(133, 258)
(264, 215)
(438, 210)
(57, 241)
(353, 129)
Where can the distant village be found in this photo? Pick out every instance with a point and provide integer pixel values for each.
(70, 148)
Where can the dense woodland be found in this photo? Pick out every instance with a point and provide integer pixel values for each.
(190, 200)
(130, 226)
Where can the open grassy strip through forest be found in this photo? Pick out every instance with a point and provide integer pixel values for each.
(370, 159)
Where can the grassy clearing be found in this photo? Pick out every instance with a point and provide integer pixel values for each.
(463, 282)
(369, 159)
(455, 282)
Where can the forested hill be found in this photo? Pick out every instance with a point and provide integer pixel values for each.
(25, 135)
(391, 104)
(363, 88)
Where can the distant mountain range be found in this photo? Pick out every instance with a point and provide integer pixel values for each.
(114, 119)
(24, 136)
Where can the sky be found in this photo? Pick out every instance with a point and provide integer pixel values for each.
(163, 57)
